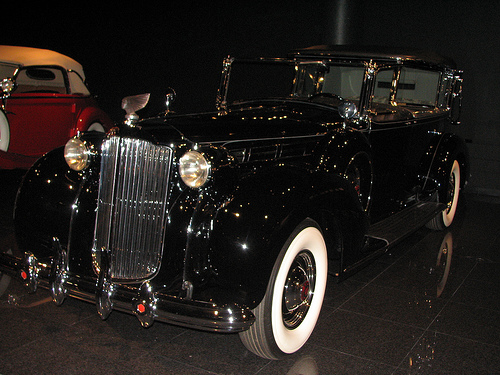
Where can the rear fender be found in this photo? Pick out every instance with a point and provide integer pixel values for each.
(439, 160)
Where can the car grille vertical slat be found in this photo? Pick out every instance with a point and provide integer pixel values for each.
(131, 209)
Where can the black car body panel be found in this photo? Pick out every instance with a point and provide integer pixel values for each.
(128, 233)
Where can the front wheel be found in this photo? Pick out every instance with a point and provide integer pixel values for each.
(445, 218)
(288, 313)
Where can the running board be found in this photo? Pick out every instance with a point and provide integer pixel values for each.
(389, 231)
(398, 226)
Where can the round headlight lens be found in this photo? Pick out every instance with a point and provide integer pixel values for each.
(76, 154)
(194, 169)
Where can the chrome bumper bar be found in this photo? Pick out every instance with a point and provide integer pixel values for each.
(138, 299)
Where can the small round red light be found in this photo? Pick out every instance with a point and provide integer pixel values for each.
(24, 275)
(141, 308)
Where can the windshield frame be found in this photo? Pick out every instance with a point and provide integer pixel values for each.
(323, 65)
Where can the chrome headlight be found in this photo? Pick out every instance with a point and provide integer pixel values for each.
(77, 154)
(7, 85)
(194, 169)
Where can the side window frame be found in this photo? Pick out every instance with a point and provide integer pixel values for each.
(55, 68)
(423, 79)
(385, 84)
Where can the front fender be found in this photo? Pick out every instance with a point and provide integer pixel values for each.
(248, 230)
(54, 201)
(44, 204)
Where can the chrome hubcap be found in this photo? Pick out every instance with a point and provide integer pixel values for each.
(299, 289)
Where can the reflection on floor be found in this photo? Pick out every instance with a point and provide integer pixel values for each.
(429, 306)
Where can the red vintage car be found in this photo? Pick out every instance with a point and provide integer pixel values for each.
(45, 102)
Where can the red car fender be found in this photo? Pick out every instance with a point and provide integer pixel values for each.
(90, 116)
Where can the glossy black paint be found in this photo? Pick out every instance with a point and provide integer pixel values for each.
(274, 164)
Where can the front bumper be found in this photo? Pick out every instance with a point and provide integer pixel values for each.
(139, 299)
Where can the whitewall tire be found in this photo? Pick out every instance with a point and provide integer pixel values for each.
(288, 313)
(97, 127)
(4, 132)
(445, 218)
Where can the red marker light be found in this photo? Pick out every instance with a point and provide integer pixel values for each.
(24, 275)
(141, 308)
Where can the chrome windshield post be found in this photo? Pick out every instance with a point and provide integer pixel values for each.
(221, 101)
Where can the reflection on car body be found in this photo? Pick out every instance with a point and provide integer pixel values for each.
(232, 221)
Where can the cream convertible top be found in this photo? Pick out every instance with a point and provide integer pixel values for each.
(28, 56)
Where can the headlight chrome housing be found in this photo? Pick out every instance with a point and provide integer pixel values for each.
(8, 85)
(194, 169)
(77, 154)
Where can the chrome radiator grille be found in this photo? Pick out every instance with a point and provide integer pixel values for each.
(131, 210)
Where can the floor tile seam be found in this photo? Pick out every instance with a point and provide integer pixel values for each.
(35, 315)
(475, 305)
(181, 363)
(450, 300)
(463, 338)
(178, 335)
(355, 356)
(417, 341)
(20, 348)
(364, 286)
(382, 319)
(428, 329)
(81, 321)
(423, 294)
(373, 281)
(263, 369)
(480, 260)
(460, 286)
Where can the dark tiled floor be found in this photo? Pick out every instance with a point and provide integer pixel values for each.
(410, 312)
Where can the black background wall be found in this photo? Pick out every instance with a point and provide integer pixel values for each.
(141, 47)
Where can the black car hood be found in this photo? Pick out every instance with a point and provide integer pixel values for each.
(259, 121)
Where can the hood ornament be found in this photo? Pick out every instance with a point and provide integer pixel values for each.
(132, 104)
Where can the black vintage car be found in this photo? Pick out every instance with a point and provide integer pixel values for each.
(231, 221)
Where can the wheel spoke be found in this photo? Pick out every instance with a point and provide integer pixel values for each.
(299, 289)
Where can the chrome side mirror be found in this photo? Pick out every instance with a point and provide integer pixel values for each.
(347, 110)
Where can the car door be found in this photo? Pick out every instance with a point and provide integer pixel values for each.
(403, 123)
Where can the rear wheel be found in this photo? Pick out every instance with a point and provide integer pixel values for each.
(288, 313)
(445, 218)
